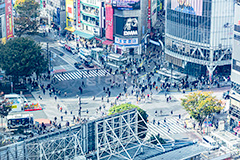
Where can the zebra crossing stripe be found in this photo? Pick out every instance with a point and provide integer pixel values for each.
(71, 76)
(58, 77)
(74, 75)
(63, 76)
(80, 74)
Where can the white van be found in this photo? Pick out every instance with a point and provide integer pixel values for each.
(69, 47)
(17, 101)
(210, 143)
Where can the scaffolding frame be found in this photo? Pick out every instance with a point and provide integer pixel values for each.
(121, 135)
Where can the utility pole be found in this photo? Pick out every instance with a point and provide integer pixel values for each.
(171, 73)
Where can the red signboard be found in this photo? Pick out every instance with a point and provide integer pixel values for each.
(149, 14)
(78, 6)
(9, 18)
(109, 22)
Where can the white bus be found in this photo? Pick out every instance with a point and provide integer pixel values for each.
(17, 121)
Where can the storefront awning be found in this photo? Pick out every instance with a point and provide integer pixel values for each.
(71, 29)
(83, 34)
(107, 42)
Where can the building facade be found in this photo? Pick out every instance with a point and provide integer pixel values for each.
(129, 25)
(234, 110)
(199, 35)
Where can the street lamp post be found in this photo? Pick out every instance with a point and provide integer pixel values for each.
(171, 74)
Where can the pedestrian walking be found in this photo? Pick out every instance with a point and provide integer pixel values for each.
(65, 94)
(61, 118)
(156, 113)
(154, 121)
(55, 97)
(171, 112)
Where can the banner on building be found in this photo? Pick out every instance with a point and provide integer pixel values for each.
(78, 10)
(109, 22)
(149, 14)
(9, 18)
(126, 41)
(69, 14)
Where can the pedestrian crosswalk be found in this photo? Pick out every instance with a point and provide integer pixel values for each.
(81, 74)
(166, 129)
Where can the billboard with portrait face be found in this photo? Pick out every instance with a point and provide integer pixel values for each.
(127, 26)
(188, 6)
(126, 4)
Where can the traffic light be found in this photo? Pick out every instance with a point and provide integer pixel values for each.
(44, 4)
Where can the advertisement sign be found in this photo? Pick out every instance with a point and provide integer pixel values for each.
(126, 4)
(127, 26)
(188, 6)
(69, 9)
(58, 16)
(78, 8)
(69, 13)
(9, 18)
(109, 22)
(124, 41)
(149, 14)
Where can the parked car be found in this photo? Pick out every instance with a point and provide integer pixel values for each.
(89, 65)
(70, 48)
(78, 65)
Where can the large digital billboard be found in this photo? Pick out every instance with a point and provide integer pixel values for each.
(127, 26)
(109, 22)
(126, 4)
(188, 6)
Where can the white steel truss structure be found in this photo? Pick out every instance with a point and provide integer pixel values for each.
(118, 136)
(123, 136)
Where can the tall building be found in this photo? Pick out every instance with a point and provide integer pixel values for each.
(131, 21)
(234, 110)
(199, 35)
(85, 18)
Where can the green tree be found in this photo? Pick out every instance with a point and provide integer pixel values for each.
(27, 19)
(124, 107)
(21, 57)
(200, 105)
